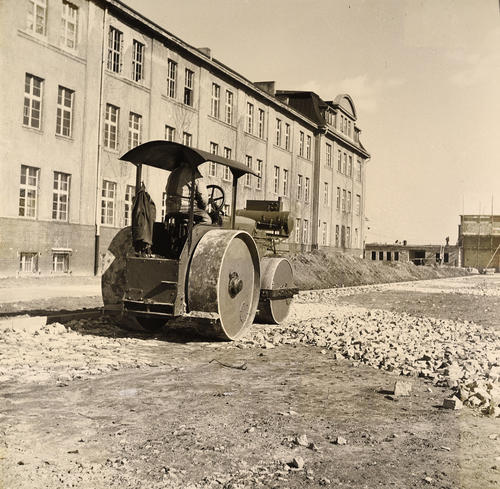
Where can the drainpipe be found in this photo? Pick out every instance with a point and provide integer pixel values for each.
(97, 217)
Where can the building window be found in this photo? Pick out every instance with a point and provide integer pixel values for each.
(396, 255)
(339, 161)
(344, 198)
(337, 235)
(381, 255)
(301, 143)
(129, 198)
(358, 175)
(28, 191)
(134, 130)
(297, 230)
(249, 118)
(305, 231)
(171, 79)
(229, 106)
(344, 166)
(60, 262)
(260, 127)
(188, 87)
(215, 108)
(108, 203)
(37, 16)
(111, 127)
(163, 206)
(115, 44)
(60, 196)
(338, 198)
(308, 147)
(358, 204)
(258, 180)
(212, 166)
(299, 187)
(69, 25)
(287, 137)
(285, 182)
(169, 133)
(187, 138)
(33, 91)
(28, 262)
(248, 176)
(349, 168)
(227, 172)
(356, 237)
(137, 61)
(64, 114)
(227, 209)
(349, 202)
(324, 236)
(328, 155)
(326, 194)
(374, 255)
(276, 185)
(306, 189)
(348, 237)
(278, 132)
(389, 256)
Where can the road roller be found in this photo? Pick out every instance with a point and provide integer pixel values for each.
(183, 271)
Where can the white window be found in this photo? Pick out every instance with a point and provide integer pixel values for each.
(115, 44)
(227, 209)
(344, 166)
(137, 61)
(339, 161)
(349, 201)
(358, 175)
(28, 191)
(306, 189)
(285, 182)
(258, 180)
(338, 198)
(324, 234)
(188, 87)
(278, 132)
(187, 138)
(129, 198)
(33, 91)
(249, 118)
(60, 262)
(134, 130)
(297, 230)
(301, 143)
(227, 172)
(276, 182)
(171, 78)
(111, 127)
(108, 195)
(337, 235)
(349, 168)
(260, 128)
(326, 194)
(348, 237)
(69, 25)
(215, 107)
(60, 196)
(64, 115)
(37, 16)
(328, 155)
(229, 106)
(299, 187)
(248, 177)
(343, 200)
(305, 231)
(169, 133)
(212, 166)
(308, 147)
(28, 262)
(358, 205)
(287, 136)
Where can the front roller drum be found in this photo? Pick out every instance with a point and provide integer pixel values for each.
(277, 290)
(223, 283)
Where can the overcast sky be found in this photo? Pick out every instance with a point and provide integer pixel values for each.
(424, 76)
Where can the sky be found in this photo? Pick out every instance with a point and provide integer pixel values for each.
(424, 76)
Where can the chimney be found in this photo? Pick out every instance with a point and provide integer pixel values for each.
(267, 86)
(206, 51)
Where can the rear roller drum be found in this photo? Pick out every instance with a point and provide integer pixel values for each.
(223, 283)
(277, 290)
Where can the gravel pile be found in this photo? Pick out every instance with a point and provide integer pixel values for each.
(457, 354)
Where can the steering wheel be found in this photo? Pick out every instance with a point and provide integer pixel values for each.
(216, 198)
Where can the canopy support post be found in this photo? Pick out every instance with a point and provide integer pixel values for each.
(191, 206)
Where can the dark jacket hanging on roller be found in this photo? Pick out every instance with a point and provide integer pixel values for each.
(143, 218)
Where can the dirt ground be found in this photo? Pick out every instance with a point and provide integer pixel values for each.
(96, 407)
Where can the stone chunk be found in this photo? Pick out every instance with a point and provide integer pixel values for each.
(402, 388)
(453, 403)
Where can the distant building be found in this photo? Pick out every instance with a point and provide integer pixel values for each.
(418, 254)
(87, 80)
(479, 238)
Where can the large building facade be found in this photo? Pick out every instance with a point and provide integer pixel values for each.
(86, 80)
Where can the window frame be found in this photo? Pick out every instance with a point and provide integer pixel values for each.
(308, 146)
(111, 128)
(127, 204)
(328, 155)
(258, 179)
(64, 112)
(261, 124)
(285, 182)
(228, 111)
(169, 133)
(215, 103)
(138, 49)
(115, 50)
(188, 87)
(250, 116)
(299, 186)
(278, 132)
(276, 180)
(61, 196)
(187, 138)
(171, 78)
(134, 130)
(248, 176)
(30, 191)
(301, 143)
(33, 103)
(287, 136)
(226, 173)
(108, 203)
(67, 20)
(307, 186)
(33, 14)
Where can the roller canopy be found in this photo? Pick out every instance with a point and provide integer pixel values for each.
(168, 155)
